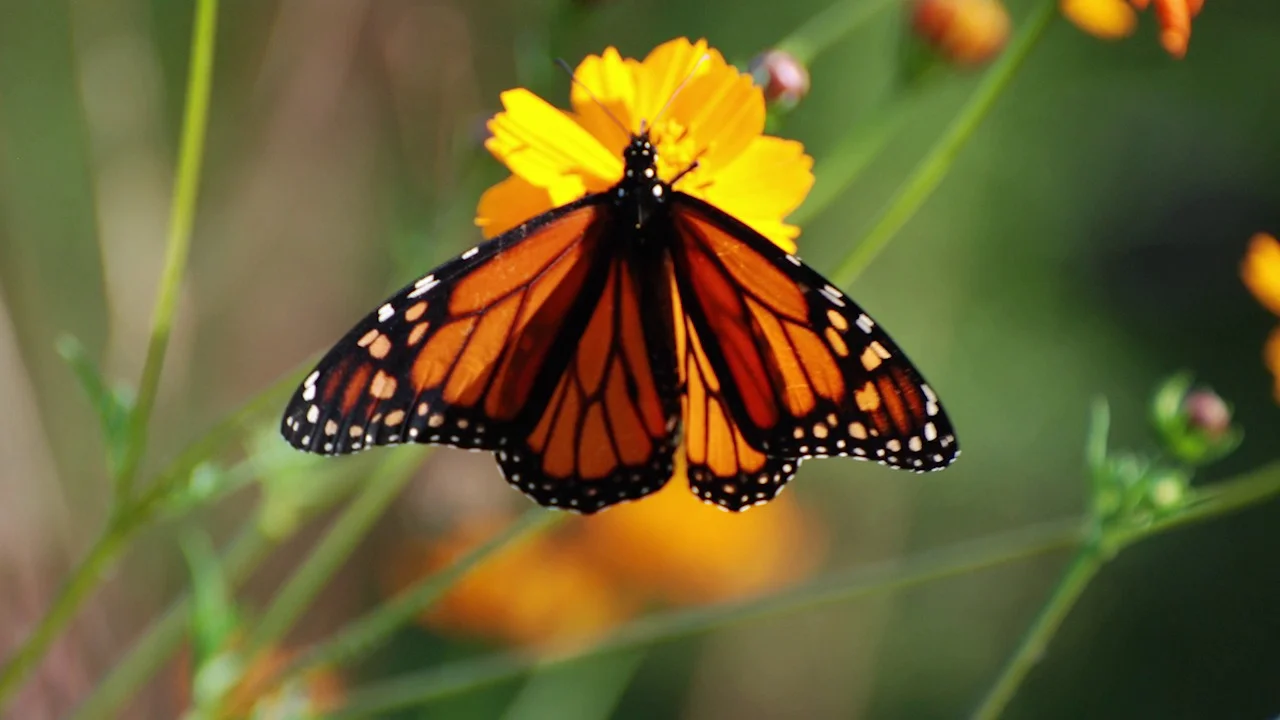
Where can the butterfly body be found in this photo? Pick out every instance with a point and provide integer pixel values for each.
(587, 345)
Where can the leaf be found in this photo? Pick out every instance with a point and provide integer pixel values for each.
(114, 406)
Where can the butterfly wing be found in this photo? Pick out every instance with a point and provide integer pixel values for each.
(452, 357)
(532, 345)
(789, 367)
(611, 426)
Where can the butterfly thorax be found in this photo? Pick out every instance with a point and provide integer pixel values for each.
(640, 193)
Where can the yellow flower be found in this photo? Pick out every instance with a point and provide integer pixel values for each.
(680, 550)
(571, 585)
(717, 118)
(1114, 19)
(1261, 273)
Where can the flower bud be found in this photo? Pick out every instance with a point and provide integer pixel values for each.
(784, 79)
(966, 32)
(1194, 425)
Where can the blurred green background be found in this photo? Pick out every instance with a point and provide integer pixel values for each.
(1086, 242)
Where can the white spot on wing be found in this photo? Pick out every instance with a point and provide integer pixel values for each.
(385, 312)
(470, 253)
(865, 323)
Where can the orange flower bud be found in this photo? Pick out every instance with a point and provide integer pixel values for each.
(968, 32)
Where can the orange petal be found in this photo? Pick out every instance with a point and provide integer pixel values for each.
(549, 149)
(510, 203)
(762, 186)
(1106, 19)
(1175, 24)
(1260, 270)
(1271, 355)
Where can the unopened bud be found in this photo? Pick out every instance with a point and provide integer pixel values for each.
(784, 79)
(966, 32)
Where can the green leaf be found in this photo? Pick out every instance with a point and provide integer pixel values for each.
(214, 619)
(112, 405)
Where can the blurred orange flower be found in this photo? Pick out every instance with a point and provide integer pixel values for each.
(1114, 19)
(576, 582)
(1261, 273)
(968, 32)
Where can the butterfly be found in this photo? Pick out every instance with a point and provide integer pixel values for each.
(585, 346)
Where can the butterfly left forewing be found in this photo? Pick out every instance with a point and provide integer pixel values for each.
(804, 371)
(439, 361)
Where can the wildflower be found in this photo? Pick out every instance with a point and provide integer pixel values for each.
(681, 550)
(967, 32)
(1115, 19)
(532, 592)
(782, 77)
(573, 584)
(1261, 273)
(717, 117)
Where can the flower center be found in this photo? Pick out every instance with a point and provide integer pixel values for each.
(676, 149)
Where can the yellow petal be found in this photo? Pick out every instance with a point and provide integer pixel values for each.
(1106, 19)
(510, 203)
(1261, 271)
(762, 186)
(665, 67)
(723, 112)
(545, 146)
(611, 83)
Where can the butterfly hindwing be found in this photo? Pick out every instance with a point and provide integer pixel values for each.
(802, 371)
(610, 427)
(442, 360)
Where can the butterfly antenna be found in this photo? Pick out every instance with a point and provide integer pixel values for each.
(681, 86)
(572, 78)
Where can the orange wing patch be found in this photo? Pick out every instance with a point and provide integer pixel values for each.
(608, 433)
(454, 357)
(804, 371)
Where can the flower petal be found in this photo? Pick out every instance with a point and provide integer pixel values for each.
(606, 80)
(762, 186)
(1261, 270)
(545, 146)
(1271, 355)
(1106, 19)
(510, 203)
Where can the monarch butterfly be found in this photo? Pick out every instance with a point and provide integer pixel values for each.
(585, 345)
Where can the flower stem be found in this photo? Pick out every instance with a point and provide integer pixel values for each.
(365, 634)
(419, 688)
(182, 218)
(347, 532)
(927, 175)
(1218, 499)
(162, 638)
(1083, 567)
(70, 597)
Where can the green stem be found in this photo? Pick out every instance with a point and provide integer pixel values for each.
(1083, 567)
(420, 688)
(329, 554)
(829, 26)
(1219, 499)
(162, 638)
(186, 189)
(365, 634)
(927, 175)
(588, 690)
(72, 594)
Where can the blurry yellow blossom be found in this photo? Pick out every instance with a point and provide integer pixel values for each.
(717, 118)
(577, 582)
(1114, 19)
(1261, 273)
(681, 550)
(968, 32)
